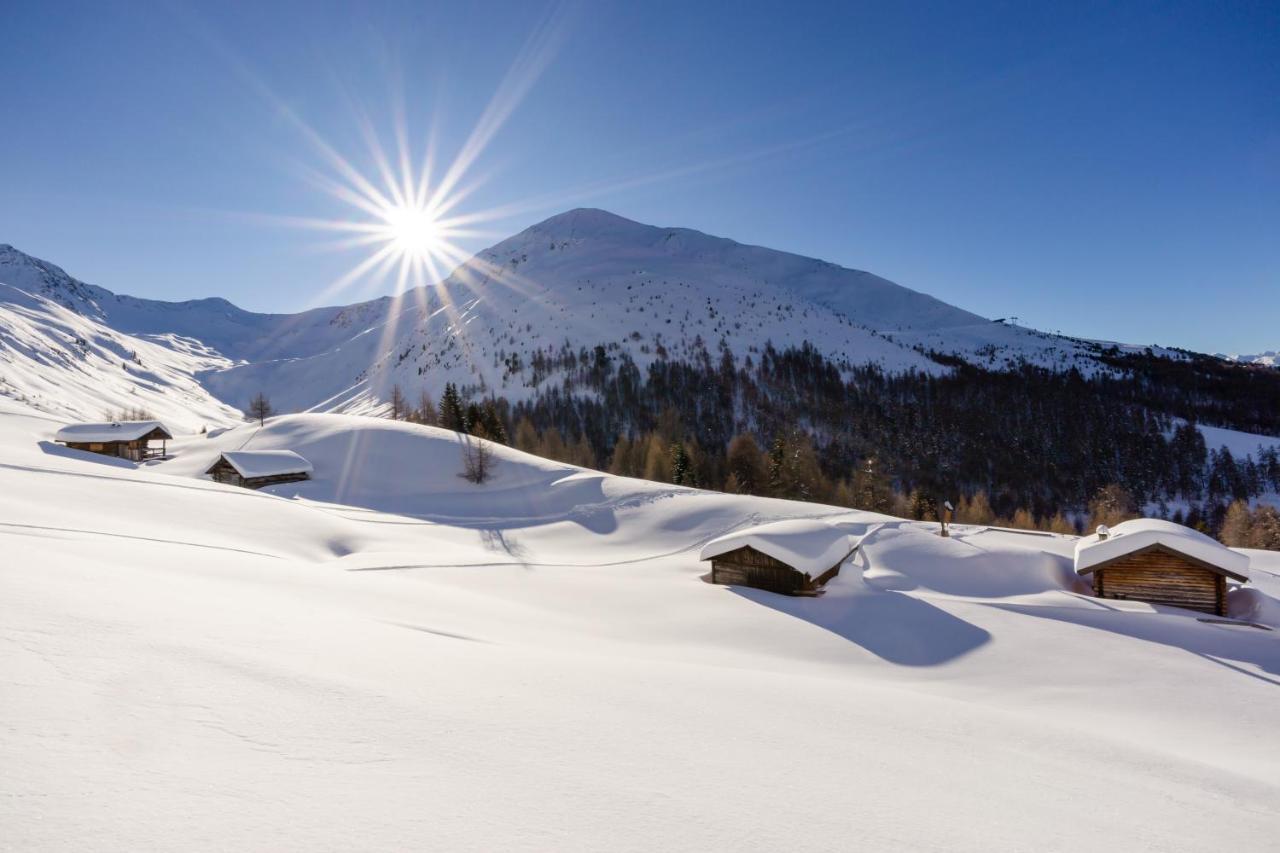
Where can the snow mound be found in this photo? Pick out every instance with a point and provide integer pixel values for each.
(1139, 533)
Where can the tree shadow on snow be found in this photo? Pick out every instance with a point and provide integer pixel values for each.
(892, 626)
(495, 539)
(1225, 645)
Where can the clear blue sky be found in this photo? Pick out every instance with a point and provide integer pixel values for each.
(1108, 170)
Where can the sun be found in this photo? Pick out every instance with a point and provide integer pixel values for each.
(413, 230)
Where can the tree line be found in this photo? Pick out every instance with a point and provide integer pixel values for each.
(1029, 447)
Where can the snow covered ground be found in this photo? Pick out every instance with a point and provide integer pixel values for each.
(389, 657)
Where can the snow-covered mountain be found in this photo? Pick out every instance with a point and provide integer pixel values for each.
(1270, 358)
(508, 320)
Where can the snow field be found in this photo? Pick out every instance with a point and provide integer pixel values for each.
(396, 658)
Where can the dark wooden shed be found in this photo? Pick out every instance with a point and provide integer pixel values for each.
(748, 567)
(123, 439)
(254, 469)
(792, 557)
(1161, 563)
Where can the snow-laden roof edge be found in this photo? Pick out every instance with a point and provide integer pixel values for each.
(106, 432)
(265, 463)
(1139, 533)
(811, 546)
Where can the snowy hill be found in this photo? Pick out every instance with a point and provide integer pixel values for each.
(397, 657)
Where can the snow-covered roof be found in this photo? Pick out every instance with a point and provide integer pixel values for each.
(118, 431)
(266, 463)
(809, 545)
(1130, 536)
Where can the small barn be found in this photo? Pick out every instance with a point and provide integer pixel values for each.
(125, 439)
(794, 557)
(1160, 562)
(254, 469)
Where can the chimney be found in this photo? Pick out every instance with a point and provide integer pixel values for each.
(1103, 532)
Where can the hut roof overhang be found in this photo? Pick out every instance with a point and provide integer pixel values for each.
(105, 433)
(1146, 534)
(252, 464)
(811, 546)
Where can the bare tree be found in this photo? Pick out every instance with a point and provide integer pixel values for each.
(260, 409)
(477, 459)
(399, 407)
(426, 413)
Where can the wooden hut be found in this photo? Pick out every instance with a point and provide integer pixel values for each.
(795, 557)
(125, 439)
(254, 469)
(1162, 563)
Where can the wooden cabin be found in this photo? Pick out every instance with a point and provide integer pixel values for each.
(795, 557)
(254, 469)
(1161, 563)
(125, 439)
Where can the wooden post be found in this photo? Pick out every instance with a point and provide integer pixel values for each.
(947, 510)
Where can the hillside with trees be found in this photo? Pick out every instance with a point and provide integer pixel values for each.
(1029, 447)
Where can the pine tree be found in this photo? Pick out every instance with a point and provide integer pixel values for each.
(451, 413)
(679, 463)
(871, 489)
(777, 467)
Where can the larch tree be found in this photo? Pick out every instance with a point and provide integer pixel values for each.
(1237, 525)
(399, 406)
(260, 409)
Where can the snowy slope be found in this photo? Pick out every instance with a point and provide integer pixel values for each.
(74, 366)
(535, 664)
(219, 325)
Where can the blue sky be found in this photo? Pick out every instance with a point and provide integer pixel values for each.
(1107, 170)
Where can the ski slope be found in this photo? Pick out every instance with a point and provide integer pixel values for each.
(389, 657)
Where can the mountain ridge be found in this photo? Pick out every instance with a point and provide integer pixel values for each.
(581, 279)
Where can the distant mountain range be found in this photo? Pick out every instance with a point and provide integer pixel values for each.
(1270, 358)
(579, 280)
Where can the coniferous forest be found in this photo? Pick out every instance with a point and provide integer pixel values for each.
(1030, 447)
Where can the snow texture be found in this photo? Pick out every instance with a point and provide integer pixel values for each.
(1139, 533)
(389, 657)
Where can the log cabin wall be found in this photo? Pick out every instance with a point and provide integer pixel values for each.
(748, 567)
(222, 472)
(259, 482)
(1162, 577)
